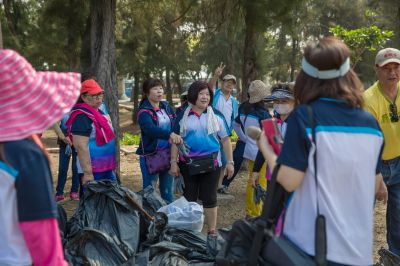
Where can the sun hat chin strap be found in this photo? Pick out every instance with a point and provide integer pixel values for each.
(325, 74)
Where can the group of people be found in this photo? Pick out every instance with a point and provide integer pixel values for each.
(333, 160)
(199, 134)
(354, 168)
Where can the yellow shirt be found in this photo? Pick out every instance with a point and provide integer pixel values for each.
(378, 105)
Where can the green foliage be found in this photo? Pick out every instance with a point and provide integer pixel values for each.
(130, 139)
(363, 39)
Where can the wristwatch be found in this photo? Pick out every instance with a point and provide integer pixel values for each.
(231, 162)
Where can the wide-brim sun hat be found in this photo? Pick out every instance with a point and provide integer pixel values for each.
(258, 91)
(32, 101)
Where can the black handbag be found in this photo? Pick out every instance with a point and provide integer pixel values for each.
(201, 164)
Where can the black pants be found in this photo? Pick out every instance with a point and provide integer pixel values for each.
(202, 186)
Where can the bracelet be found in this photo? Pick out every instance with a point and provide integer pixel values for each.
(231, 162)
(173, 161)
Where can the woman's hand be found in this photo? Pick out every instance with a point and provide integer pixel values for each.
(66, 140)
(174, 170)
(254, 179)
(382, 193)
(229, 170)
(87, 178)
(175, 139)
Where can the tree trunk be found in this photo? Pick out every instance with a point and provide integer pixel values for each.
(72, 40)
(1, 37)
(178, 81)
(135, 93)
(278, 59)
(397, 32)
(103, 62)
(85, 50)
(168, 87)
(293, 58)
(250, 69)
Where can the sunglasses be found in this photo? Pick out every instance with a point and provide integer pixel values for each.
(394, 117)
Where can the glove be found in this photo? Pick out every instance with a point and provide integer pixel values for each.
(259, 194)
(68, 150)
(179, 185)
(184, 150)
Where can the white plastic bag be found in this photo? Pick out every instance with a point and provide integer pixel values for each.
(184, 214)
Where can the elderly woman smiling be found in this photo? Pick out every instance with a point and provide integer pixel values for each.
(92, 134)
(203, 129)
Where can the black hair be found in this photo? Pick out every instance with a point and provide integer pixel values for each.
(147, 85)
(194, 90)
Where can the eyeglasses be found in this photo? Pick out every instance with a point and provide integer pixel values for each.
(394, 117)
(97, 96)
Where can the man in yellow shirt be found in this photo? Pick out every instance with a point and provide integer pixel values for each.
(383, 101)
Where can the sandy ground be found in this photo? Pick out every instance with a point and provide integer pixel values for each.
(228, 210)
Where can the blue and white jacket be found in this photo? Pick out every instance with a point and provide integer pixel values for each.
(149, 127)
(235, 105)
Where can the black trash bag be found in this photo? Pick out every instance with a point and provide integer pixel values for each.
(151, 200)
(224, 232)
(237, 249)
(214, 244)
(195, 242)
(142, 258)
(169, 258)
(62, 223)
(168, 254)
(387, 258)
(155, 228)
(105, 208)
(95, 248)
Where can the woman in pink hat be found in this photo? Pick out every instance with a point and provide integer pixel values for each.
(30, 103)
(92, 134)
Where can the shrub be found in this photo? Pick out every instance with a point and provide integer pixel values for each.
(130, 139)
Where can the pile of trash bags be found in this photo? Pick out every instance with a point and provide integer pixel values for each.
(115, 226)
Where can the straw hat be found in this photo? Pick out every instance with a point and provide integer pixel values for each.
(258, 91)
(32, 101)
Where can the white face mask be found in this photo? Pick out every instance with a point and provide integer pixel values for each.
(282, 109)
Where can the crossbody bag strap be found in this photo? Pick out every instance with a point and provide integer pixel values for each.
(320, 223)
(262, 222)
(141, 135)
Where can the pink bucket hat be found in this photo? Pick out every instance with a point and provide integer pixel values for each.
(31, 101)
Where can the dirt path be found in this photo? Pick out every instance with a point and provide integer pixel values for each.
(228, 211)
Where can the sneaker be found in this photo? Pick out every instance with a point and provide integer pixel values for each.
(223, 190)
(74, 195)
(59, 198)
